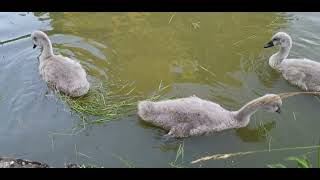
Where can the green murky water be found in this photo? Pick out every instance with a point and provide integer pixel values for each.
(149, 48)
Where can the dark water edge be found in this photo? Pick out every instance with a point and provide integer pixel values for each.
(7, 162)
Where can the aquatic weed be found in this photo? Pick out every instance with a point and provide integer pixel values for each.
(179, 154)
(107, 102)
(302, 161)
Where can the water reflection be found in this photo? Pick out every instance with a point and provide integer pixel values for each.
(168, 46)
(258, 134)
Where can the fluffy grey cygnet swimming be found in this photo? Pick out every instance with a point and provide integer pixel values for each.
(303, 72)
(192, 116)
(61, 73)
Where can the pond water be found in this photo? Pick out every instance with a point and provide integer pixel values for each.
(149, 48)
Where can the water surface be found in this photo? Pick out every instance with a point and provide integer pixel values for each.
(149, 48)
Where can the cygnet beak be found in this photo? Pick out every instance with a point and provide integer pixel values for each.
(34, 46)
(269, 44)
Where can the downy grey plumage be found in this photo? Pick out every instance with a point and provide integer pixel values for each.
(59, 72)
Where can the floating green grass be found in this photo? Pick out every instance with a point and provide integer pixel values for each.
(107, 102)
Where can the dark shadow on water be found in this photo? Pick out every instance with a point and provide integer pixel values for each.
(164, 143)
(258, 134)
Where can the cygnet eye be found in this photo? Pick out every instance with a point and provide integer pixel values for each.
(278, 109)
(276, 39)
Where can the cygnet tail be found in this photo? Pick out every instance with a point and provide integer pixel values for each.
(145, 110)
(80, 90)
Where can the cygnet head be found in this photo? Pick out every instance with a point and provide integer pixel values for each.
(40, 39)
(270, 103)
(281, 38)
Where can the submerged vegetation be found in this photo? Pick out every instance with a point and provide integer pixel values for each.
(127, 163)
